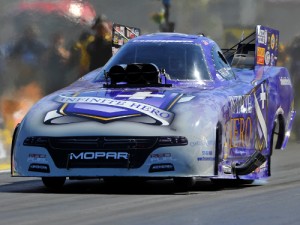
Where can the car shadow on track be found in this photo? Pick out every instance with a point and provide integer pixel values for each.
(93, 186)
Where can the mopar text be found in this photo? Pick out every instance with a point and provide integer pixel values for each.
(98, 155)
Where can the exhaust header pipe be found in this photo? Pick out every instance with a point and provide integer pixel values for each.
(253, 162)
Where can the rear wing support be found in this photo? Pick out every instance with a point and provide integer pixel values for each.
(258, 48)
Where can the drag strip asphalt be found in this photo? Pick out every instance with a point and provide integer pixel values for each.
(276, 201)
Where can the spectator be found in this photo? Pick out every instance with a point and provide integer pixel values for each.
(27, 53)
(57, 59)
(294, 55)
(2, 69)
(100, 49)
(80, 50)
(28, 47)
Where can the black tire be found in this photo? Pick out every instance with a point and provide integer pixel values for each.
(124, 180)
(54, 182)
(243, 182)
(231, 182)
(184, 183)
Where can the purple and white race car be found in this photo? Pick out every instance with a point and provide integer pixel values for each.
(165, 106)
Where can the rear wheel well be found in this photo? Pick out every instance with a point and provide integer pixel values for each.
(279, 130)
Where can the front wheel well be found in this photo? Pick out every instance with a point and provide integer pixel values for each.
(14, 137)
(218, 148)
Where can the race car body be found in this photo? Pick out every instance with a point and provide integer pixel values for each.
(166, 105)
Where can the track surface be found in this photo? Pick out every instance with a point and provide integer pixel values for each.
(277, 201)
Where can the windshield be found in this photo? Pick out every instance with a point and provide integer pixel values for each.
(183, 61)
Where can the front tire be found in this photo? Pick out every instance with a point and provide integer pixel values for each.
(184, 183)
(54, 182)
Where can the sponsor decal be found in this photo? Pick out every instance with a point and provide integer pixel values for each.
(106, 107)
(272, 59)
(207, 152)
(240, 132)
(249, 115)
(241, 104)
(262, 36)
(207, 155)
(238, 152)
(161, 167)
(206, 158)
(260, 56)
(198, 143)
(203, 142)
(161, 115)
(285, 81)
(273, 42)
(42, 168)
(225, 72)
(239, 127)
(267, 58)
(98, 155)
(161, 157)
(267, 40)
(39, 158)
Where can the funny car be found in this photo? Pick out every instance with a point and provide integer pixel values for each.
(165, 106)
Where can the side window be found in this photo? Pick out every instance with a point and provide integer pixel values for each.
(221, 65)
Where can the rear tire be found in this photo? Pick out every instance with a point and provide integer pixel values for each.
(54, 182)
(231, 182)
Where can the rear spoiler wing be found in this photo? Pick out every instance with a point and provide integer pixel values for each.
(259, 48)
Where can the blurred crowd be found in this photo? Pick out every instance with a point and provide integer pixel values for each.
(292, 61)
(31, 68)
(53, 64)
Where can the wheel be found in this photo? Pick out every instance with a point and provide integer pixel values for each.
(54, 182)
(184, 183)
